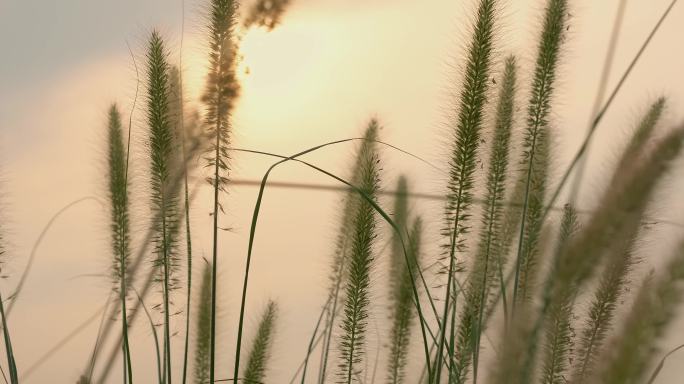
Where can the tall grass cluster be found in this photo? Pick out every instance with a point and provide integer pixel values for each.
(546, 285)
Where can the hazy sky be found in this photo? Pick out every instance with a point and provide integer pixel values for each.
(321, 76)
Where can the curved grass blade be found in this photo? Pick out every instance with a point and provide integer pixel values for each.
(154, 335)
(34, 249)
(660, 365)
(313, 341)
(255, 216)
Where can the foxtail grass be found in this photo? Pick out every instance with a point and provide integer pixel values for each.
(164, 164)
(257, 362)
(117, 159)
(340, 261)
(483, 273)
(462, 163)
(558, 332)
(611, 286)
(632, 351)
(219, 97)
(403, 310)
(619, 214)
(357, 296)
(399, 335)
(538, 110)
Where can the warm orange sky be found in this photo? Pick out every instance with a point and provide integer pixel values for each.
(320, 76)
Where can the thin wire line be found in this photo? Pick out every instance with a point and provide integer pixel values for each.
(417, 195)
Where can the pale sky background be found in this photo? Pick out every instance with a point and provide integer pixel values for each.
(319, 77)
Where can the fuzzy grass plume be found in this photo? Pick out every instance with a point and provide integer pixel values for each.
(219, 97)
(483, 273)
(463, 158)
(163, 165)
(357, 300)
(340, 261)
(117, 159)
(558, 331)
(536, 142)
(632, 351)
(599, 318)
(257, 362)
(266, 13)
(618, 216)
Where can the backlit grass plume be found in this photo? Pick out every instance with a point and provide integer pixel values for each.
(632, 351)
(257, 362)
(642, 134)
(484, 270)
(340, 262)
(117, 159)
(532, 234)
(203, 327)
(402, 311)
(266, 13)
(164, 162)
(599, 319)
(615, 221)
(463, 156)
(536, 136)
(219, 97)
(363, 234)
